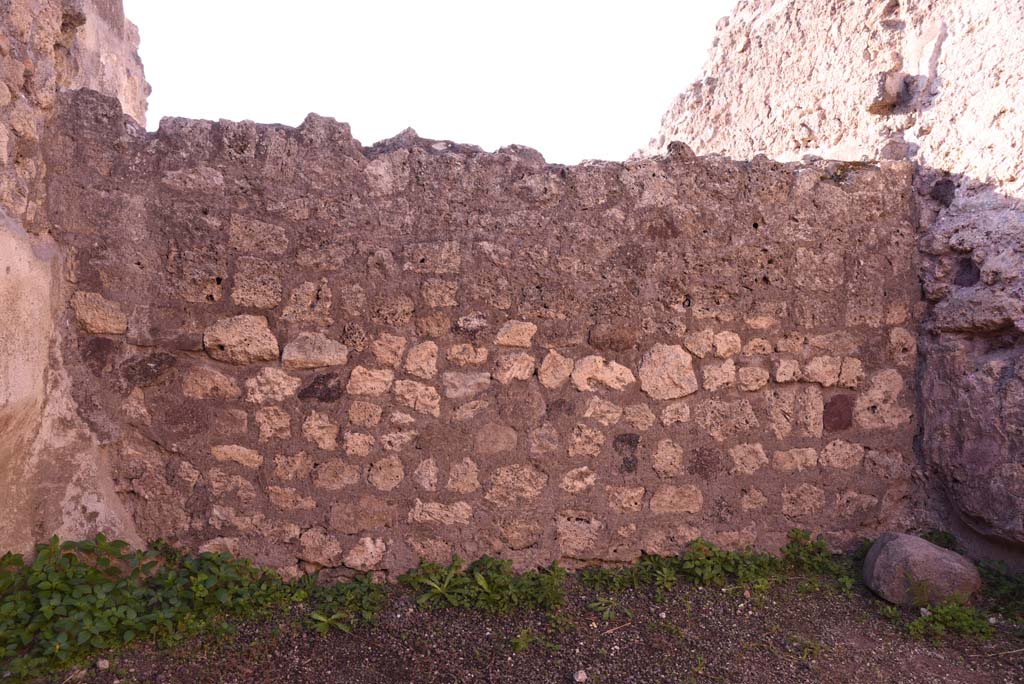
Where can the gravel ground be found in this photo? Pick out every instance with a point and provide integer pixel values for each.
(789, 634)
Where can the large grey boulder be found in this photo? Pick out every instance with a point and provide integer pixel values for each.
(911, 571)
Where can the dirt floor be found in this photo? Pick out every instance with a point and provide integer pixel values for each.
(794, 632)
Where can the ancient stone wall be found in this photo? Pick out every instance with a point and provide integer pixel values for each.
(318, 354)
(937, 82)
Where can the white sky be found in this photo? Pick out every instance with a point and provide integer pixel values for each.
(575, 80)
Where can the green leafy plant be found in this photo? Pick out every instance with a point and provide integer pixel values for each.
(890, 612)
(77, 598)
(952, 617)
(487, 584)
(1003, 589)
(608, 608)
(526, 638)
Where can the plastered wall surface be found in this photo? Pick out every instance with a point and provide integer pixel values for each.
(323, 355)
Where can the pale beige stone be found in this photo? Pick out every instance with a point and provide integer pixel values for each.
(397, 441)
(221, 545)
(837, 342)
(726, 344)
(464, 385)
(369, 382)
(418, 397)
(470, 409)
(802, 501)
(903, 347)
(719, 375)
(555, 370)
(627, 499)
(336, 475)
(351, 515)
(761, 322)
(494, 438)
(787, 370)
(386, 474)
(640, 416)
(288, 499)
(431, 550)
(852, 373)
(676, 412)
(516, 334)
(432, 512)
(235, 453)
(99, 315)
(578, 480)
(310, 304)
(586, 442)
(887, 465)
(364, 413)
(319, 546)
(433, 257)
(425, 475)
(388, 349)
(401, 418)
(577, 532)
(358, 444)
(810, 407)
(676, 499)
(790, 343)
(753, 500)
(207, 383)
(795, 460)
(758, 346)
(222, 483)
(463, 477)
(591, 369)
(188, 474)
(251, 235)
(273, 423)
(271, 385)
(521, 534)
(256, 284)
(851, 503)
(823, 370)
(313, 350)
(842, 455)
(241, 340)
(513, 366)
(466, 354)
(292, 466)
(604, 412)
(439, 293)
(747, 459)
(421, 360)
(545, 439)
(666, 372)
(878, 407)
(700, 343)
(725, 419)
(321, 430)
(668, 458)
(515, 483)
(367, 554)
(752, 378)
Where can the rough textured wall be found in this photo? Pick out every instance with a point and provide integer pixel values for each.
(940, 83)
(319, 354)
(52, 476)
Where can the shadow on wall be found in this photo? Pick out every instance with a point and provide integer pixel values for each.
(972, 359)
